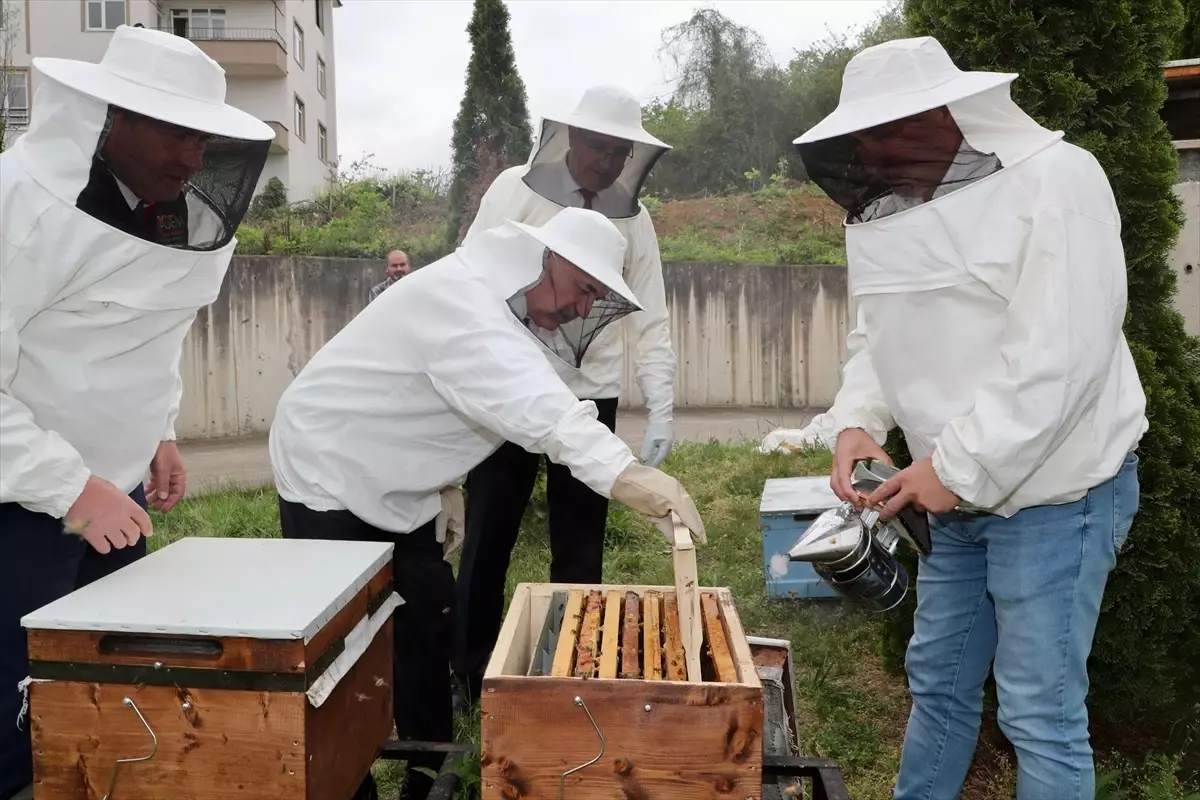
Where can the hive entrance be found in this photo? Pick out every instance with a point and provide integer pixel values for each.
(619, 634)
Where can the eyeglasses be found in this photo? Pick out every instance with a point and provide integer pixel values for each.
(616, 154)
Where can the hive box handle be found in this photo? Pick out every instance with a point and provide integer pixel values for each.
(134, 645)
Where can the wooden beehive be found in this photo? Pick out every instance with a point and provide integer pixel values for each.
(216, 668)
(592, 682)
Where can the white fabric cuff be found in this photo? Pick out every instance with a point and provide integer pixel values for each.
(959, 473)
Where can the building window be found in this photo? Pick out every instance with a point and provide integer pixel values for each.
(105, 15)
(321, 75)
(15, 110)
(320, 4)
(298, 44)
(322, 143)
(198, 23)
(300, 120)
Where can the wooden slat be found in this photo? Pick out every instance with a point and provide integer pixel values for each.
(687, 591)
(652, 635)
(631, 636)
(718, 647)
(510, 655)
(610, 649)
(564, 655)
(676, 662)
(589, 637)
(735, 636)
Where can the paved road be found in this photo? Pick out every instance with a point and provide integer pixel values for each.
(243, 461)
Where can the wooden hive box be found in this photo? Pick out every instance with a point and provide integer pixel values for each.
(259, 669)
(568, 655)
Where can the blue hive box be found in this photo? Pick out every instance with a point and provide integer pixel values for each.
(788, 507)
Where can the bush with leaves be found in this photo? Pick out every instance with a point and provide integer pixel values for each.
(1098, 77)
(363, 214)
(1187, 45)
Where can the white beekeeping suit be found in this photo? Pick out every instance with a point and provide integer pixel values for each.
(536, 191)
(118, 210)
(93, 317)
(985, 256)
(1018, 244)
(597, 157)
(441, 369)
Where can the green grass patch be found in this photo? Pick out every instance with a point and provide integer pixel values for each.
(851, 709)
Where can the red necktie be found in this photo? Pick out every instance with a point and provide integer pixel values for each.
(588, 195)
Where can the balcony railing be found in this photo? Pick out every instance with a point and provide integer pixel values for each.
(199, 34)
(15, 117)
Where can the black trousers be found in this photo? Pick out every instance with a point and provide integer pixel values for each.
(423, 627)
(41, 563)
(497, 492)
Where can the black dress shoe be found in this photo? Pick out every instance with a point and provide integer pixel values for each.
(465, 692)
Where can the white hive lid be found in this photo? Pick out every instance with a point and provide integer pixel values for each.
(251, 588)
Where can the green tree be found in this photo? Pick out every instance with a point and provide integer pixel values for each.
(491, 131)
(1188, 43)
(732, 96)
(1097, 75)
(815, 73)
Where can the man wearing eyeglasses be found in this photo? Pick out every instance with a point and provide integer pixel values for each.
(598, 158)
(588, 175)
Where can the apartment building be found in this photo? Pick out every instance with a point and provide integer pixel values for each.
(278, 57)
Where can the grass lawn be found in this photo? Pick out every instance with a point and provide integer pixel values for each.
(851, 709)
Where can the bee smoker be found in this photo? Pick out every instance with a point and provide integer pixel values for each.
(854, 552)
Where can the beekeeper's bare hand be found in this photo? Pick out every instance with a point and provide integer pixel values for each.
(168, 478)
(853, 445)
(107, 517)
(917, 486)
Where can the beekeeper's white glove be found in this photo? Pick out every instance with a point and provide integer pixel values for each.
(660, 438)
(656, 494)
(451, 524)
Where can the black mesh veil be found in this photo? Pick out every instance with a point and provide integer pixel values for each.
(555, 178)
(206, 214)
(571, 340)
(878, 172)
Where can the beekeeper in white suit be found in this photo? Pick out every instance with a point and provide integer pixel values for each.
(597, 157)
(985, 256)
(117, 216)
(377, 433)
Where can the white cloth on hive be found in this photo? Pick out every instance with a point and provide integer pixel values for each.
(356, 643)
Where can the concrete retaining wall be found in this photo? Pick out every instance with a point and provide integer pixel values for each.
(744, 336)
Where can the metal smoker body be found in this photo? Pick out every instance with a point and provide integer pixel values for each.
(855, 553)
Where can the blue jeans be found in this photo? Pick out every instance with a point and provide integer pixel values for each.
(1024, 591)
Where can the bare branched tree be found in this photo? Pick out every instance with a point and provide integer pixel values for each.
(9, 29)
